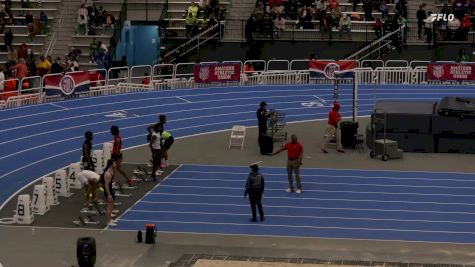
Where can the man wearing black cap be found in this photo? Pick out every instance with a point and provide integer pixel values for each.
(262, 116)
(255, 188)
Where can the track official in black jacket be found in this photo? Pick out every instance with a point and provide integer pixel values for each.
(262, 116)
(255, 188)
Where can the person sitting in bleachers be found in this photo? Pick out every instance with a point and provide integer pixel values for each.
(44, 22)
(57, 66)
(290, 9)
(109, 25)
(31, 63)
(191, 25)
(23, 51)
(345, 25)
(44, 66)
(93, 51)
(11, 54)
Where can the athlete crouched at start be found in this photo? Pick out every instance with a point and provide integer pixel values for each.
(90, 182)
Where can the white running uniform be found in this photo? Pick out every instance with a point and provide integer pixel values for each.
(156, 142)
(88, 176)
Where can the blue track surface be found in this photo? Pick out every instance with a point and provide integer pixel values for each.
(356, 204)
(36, 140)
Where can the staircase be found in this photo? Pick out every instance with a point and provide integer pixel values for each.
(64, 27)
(239, 12)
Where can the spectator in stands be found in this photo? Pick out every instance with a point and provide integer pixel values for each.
(305, 19)
(44, 22)
(2, 80)
(8, 38)
(355, 4)
(82, 20)
(429, 29)
(56, 67)
(21, 70)
(28, 18)
(109, 25)
(384, 8)
(93, 51)
(267, 26)
(368, 10)
(191, 25)
(279, 24)
(193, 9)
(36, 26)
(465, 27)
(44, 66)
(248, 68)
(462, 56)
(421, 16)
(401, 7)
(333, 4)
(11, 54)
(92, 28)
(2, 22)
(250, 27)
(10, 86)
(345, 25)
(459, 8)
(74, 52)
(213, 8)
(275, 5)
(320, 9)
(291, 9)
(453, 29)
(378, 28)
(112, 45)
(73, 64)
(146, 78)
(32, 70)
(23, 51)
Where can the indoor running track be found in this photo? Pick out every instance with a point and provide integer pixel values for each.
(350, 204)
(36, 140)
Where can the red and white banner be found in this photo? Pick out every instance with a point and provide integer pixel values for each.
(320, 69)
(219, 72)
(451, 72)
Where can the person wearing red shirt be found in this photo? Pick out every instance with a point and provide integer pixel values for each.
(294, 160)
(334, 119)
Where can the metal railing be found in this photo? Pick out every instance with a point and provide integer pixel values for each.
(30, 90)
(376, 46)
(213, 32)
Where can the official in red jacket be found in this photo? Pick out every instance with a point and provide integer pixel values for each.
(334, 119)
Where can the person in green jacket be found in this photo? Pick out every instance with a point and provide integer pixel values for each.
(462, 56)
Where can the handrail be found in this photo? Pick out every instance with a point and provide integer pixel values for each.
(373, 44)
(197, 37)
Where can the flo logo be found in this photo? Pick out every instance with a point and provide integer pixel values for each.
(441, 17)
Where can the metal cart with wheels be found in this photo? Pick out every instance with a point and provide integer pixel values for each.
(276, 125)
(387, 149)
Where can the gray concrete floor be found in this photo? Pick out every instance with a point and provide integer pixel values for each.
(44, 246)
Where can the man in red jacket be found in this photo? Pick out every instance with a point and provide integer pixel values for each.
(334, 119)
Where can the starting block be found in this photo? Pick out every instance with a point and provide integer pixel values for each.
(121, 188)
(88, 211)
(84, 221)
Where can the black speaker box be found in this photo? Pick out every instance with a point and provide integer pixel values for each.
(86, 251)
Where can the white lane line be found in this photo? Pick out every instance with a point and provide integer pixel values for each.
(143, 107)
(365, 185)
(367, 170)
(141, 125)
(299, 216)
(181, 98)
(312, 207)
(325, 175)
(321, 99)
(303, 226)
(320, 199)
(146, 194)
(52, 104)
(141, 136)
(330, 191)
(128, 148)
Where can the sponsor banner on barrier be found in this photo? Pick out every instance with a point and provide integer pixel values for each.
(320, 69)
(451, 72)
(67, 84)
(219, 72)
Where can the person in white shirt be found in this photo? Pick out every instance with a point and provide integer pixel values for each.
(345, 25)
(90, 182)
(429, 28)
(2, 80)
(156, 148)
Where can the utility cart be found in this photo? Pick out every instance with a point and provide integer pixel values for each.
(276, 125)
(387, 149)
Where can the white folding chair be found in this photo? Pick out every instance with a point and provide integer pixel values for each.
(238, 133)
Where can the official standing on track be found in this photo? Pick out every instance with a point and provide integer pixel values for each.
(87, 162)
(294, 161)
(255, 188)
(334, 119)
(262, 116)
(90, 182)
